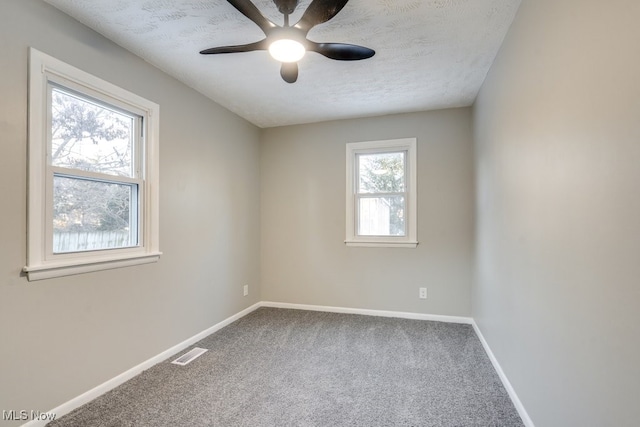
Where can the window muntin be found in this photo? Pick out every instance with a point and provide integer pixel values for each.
(93, 173)
(381, 193)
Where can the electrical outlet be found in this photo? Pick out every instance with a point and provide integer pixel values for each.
(423, 293)
(246, 290)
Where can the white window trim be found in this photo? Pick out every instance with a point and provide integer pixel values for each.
(410, 240)
(43, 265)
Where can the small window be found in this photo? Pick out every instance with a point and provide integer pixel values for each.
(93, 197)
(381, 193)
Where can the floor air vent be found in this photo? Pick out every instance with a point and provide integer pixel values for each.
(189, 356)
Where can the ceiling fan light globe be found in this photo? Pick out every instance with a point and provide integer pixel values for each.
(287, 50)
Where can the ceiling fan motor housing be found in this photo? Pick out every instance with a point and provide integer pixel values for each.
(286, 7)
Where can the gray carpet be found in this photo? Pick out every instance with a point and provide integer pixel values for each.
(277, 367)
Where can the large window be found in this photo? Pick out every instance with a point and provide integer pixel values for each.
(381, 193)
(93, 166)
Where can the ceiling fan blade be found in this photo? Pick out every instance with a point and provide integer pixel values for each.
(249, 10)
(341, 51)
(289, 72)
(261, 45)
(319, 11)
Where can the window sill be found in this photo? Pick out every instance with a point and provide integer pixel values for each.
(373, 244)
(60, 269)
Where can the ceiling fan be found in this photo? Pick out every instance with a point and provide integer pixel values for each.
(288, 44)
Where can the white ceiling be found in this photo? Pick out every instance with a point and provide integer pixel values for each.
(430, 54)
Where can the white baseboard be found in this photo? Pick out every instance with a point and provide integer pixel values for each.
(76, 402)
(366, 312)
(503, 377)
(95, 392)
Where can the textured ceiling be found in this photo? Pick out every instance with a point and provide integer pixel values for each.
(430, 54)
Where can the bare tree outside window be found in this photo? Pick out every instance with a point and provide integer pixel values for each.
(91, 214)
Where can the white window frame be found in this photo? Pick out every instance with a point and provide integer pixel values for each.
(42, 263)
(410, 239)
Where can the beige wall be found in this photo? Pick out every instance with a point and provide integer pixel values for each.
(304, 258)
(61, 337)
(557, 130)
